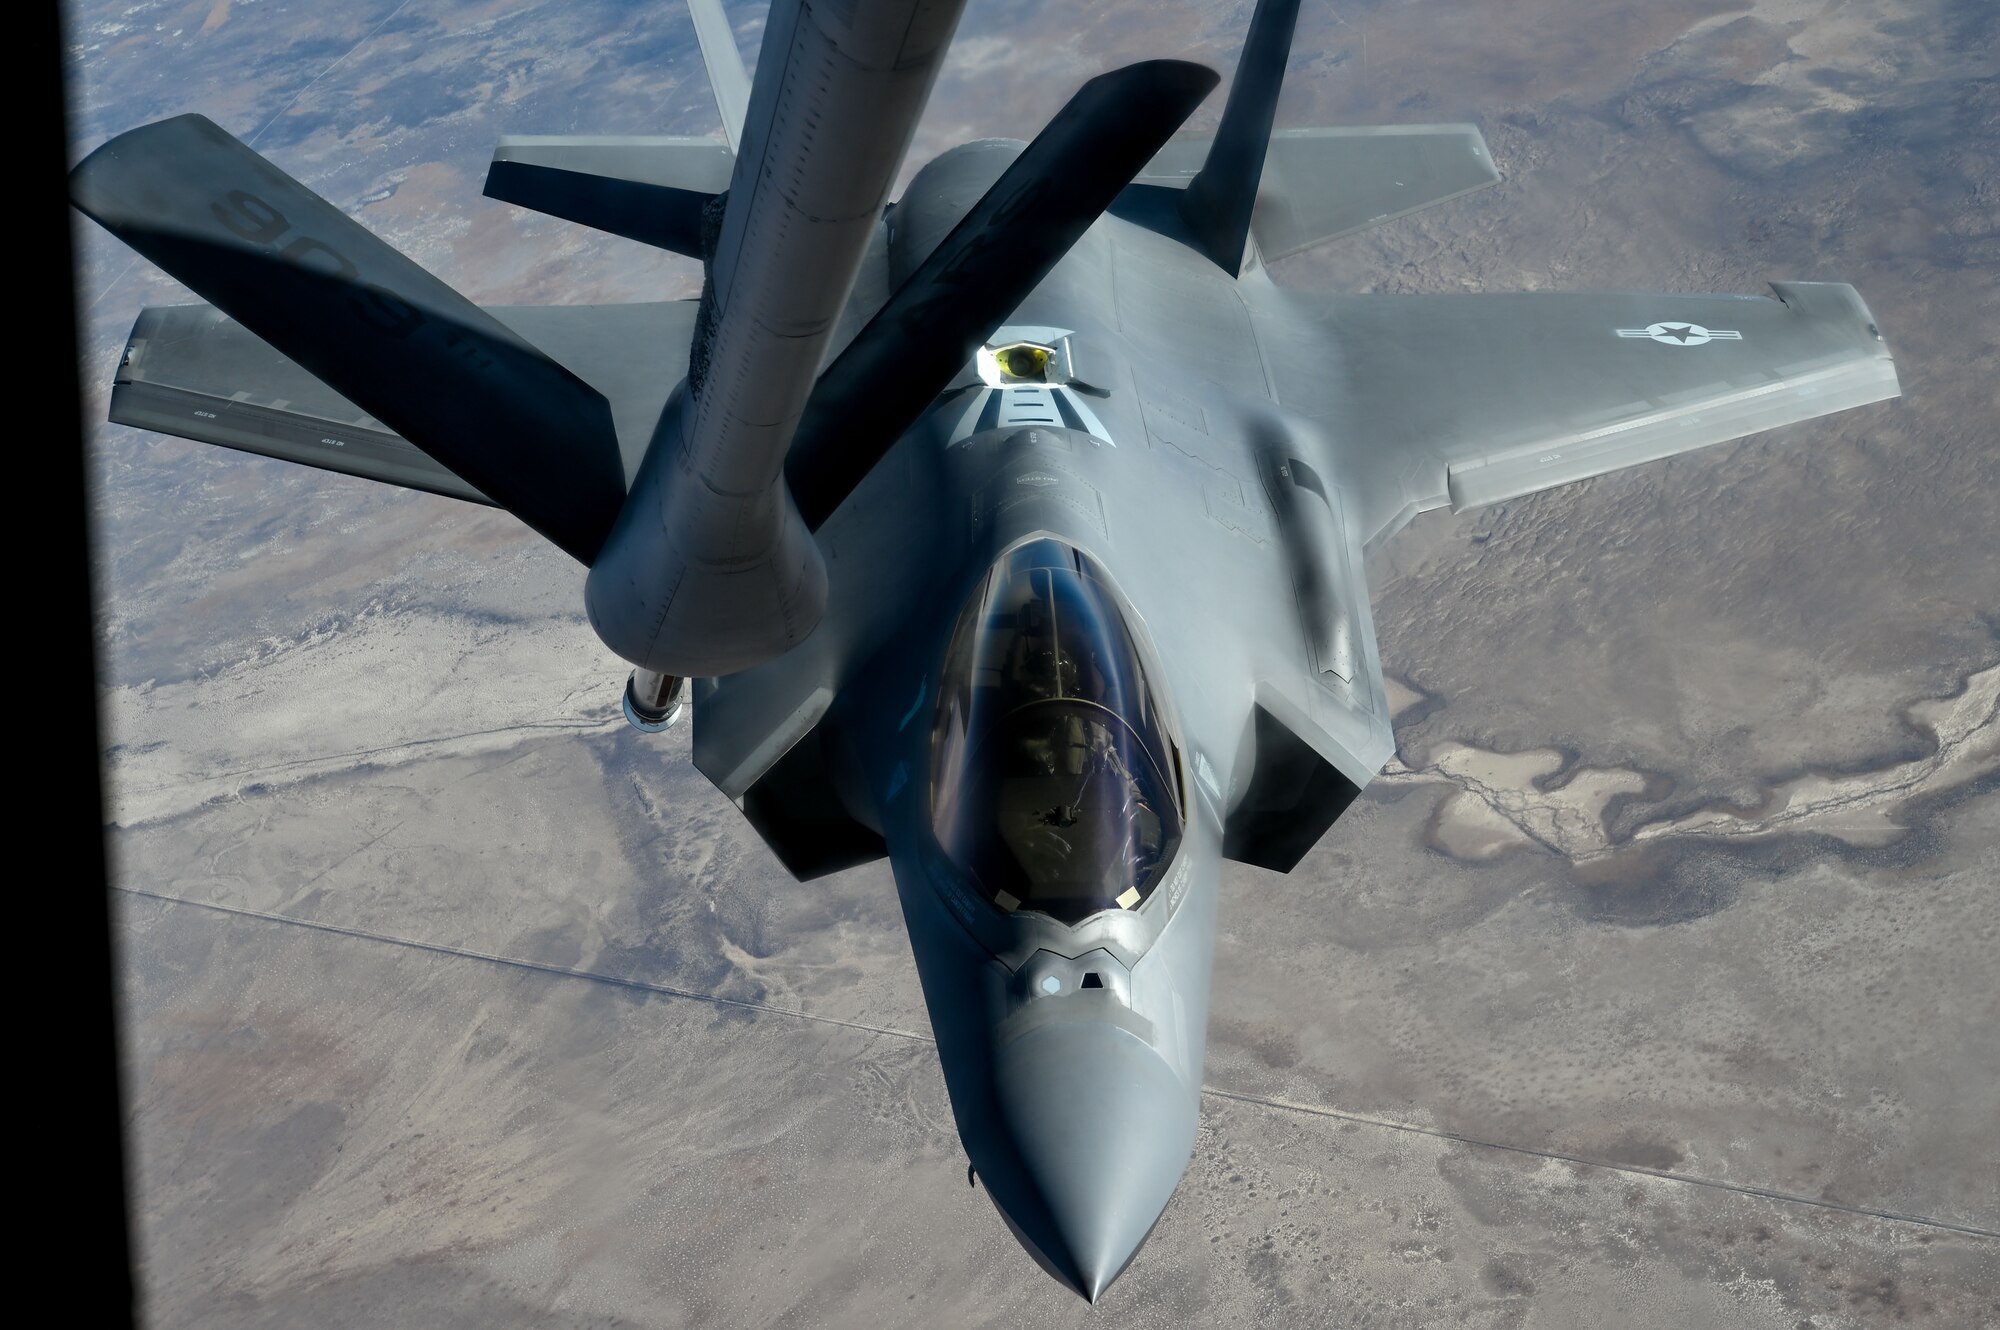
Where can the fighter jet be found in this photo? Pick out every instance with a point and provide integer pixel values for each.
(1014, 530)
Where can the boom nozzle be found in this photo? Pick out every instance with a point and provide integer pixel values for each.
(654, 701)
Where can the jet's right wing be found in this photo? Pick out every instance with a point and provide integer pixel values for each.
(191, 371)
(365, 320)
(1470, 400)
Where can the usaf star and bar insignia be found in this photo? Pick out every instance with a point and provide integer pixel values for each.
(1682, 334)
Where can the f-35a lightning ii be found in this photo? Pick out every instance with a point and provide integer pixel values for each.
(1014, 530)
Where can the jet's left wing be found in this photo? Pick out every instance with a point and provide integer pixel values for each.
(1469, 400)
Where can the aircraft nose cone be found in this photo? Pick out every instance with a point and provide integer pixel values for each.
(1102, 1129)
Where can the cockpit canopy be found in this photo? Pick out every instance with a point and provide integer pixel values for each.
(1055, 784)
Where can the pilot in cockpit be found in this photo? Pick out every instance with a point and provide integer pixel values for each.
(1057, 794)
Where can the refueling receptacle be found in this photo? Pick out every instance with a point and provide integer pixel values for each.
(654, 701)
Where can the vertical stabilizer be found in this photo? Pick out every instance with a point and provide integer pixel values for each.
(727, 77)
(363, 319)
(1217, 203)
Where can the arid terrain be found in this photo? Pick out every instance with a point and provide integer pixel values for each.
(1652, 985)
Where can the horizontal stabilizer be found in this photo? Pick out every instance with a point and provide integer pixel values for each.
(1000, 251)
(191, 371)
(649, 189)
(364, 320)
(1323, 183)
(1320, 184)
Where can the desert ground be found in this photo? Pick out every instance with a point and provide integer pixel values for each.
(1653, 984)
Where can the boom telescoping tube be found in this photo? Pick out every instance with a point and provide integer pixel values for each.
(709, 568)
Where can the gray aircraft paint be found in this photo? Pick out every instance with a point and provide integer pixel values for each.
(709, 566)
(1226, 450)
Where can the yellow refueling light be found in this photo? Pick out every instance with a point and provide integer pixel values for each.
(1024, 361)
